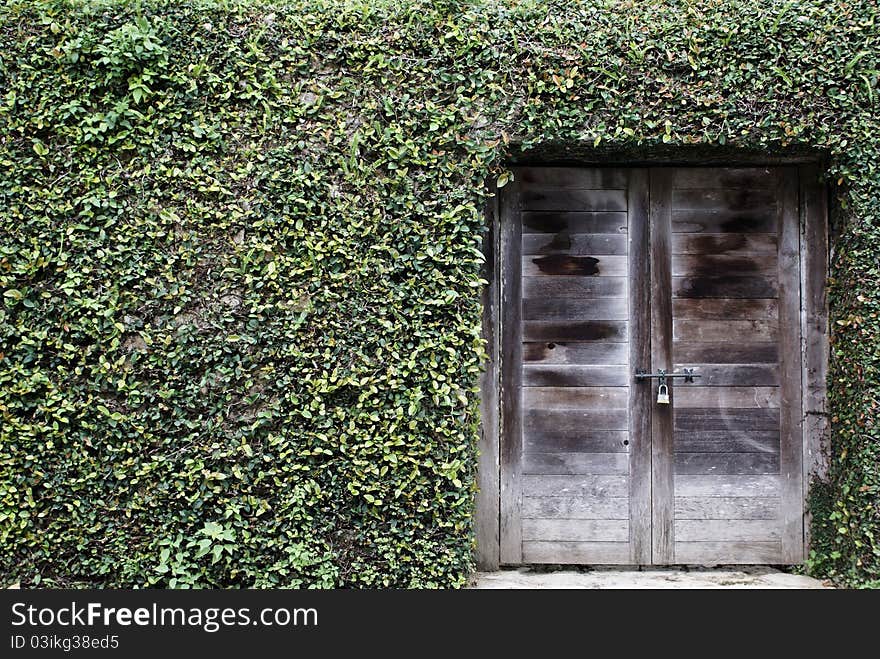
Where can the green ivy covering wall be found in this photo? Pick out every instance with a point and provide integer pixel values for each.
(240, 262)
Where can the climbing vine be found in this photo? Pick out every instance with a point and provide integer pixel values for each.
(241, 266)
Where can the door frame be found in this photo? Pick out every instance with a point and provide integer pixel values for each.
(814, 260)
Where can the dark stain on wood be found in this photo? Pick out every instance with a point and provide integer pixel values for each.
(743, 224)
(736, 266)
(725, 287)
(560, 264)
(546, 222)
(719, 244)
(590, 330)
(561, 242)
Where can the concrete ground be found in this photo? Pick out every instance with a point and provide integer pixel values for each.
(736, 577)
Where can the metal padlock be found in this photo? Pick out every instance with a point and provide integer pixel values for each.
(663, 394)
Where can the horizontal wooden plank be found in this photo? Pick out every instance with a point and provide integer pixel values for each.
(578, 441)
(575, 508)
(724, 177)
(726, 463)
(540, 421)
(728, 553)
(724, 418)
(724, 243)
(578, 463)
(723, 265)
(567, 199)
(736, 375)
(719, 352)
(726, 309)
(575, 398)
(564, 375)
(584, 353)
(727, 486)
(577, 486)
(573, 244)
(721, 530)
(759, 220)
(613, 331)
(573, 287)
(727, 441)
(593, 178)
(576, 530)
(556, 309)
(735, 331)
(577, 553)
(557, 265)
(735, 198)
(697, 396)
(725, 287)
(728, 508)
(585, 222)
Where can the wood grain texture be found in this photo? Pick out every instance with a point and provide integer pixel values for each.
(725, 309)
(727, 441)
(724, 243)
(536, 245)
(696, 396)
(568, 199)
(726, 287)
(728, 198)
(726, 463)
(721, 530)
(719, 352)
(563, 286)
(575, 398)
(575, 463)
(722, 265)
(604, 308)
(511, 376)
(576, 508)
(726, 508)
(542, 421)
(724, 177)
(723, 221)
(662, 474)
(791, 437)
(576, 530)
(726, 418)
(718, 330)
(566, 265)
(733, 375)
(576, 353)
(571, 178)
(728, 553)
(728, 486)
(575, 486)
(577, 553)
(578, 441)
(638, 203)
(549, 222)
(611, 331)
(551, 375)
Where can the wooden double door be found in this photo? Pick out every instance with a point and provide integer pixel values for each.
(607, 272)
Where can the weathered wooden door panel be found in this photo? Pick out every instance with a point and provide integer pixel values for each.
(608, 270)
(570, 498)
(735, 300)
